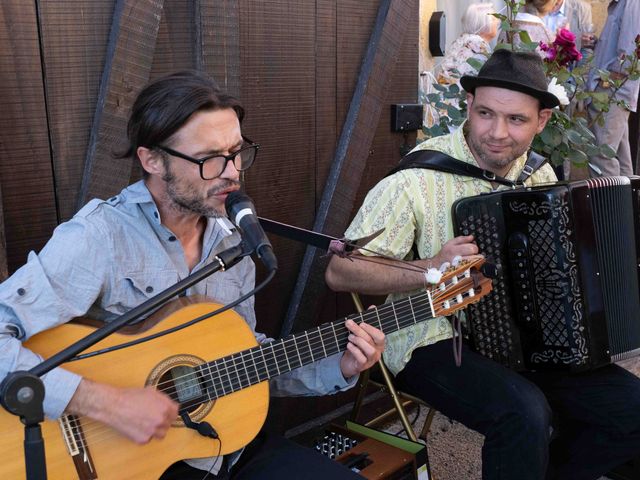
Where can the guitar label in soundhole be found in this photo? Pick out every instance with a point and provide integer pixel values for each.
(180, 377)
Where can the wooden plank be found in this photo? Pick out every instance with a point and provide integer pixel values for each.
(176, 40)
(351, 153)
(3, 245)
(74, 37)
(128, 61)
(218, 41)
(25, 157)
(278, 88)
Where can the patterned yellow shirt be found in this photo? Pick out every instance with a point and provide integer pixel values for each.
(414, 206)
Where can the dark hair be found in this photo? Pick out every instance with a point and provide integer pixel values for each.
(166, 104)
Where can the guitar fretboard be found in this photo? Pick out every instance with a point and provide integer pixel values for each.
(250, 367)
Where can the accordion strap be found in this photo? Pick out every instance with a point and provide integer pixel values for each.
(434, 160)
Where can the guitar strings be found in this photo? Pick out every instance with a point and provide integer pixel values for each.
(343, 337)
(96, 432)
(231, 363)
(228, 365)
(94, 429)
(398, 304)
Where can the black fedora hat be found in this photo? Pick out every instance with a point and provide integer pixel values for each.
(519, 71)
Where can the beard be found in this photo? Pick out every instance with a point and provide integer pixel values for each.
(479, 147)
(188, 199)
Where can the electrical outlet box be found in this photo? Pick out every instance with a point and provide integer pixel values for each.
(406, 117)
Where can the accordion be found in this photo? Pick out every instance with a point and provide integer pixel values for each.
(567, 296)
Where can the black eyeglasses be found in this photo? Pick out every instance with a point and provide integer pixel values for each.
(212, 166)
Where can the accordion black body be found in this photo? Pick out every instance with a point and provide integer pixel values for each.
(568, 296)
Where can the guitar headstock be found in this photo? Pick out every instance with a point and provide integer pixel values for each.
(460, 286)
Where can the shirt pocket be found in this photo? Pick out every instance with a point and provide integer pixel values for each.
(134, 288)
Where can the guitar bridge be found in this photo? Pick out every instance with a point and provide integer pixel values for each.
(77, 447)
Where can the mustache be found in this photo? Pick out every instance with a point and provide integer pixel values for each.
(224, 186)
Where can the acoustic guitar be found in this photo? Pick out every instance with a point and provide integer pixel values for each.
(230, 392)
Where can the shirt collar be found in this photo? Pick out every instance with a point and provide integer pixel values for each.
(560, 11)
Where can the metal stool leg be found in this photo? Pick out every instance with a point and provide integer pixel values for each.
(389, 383)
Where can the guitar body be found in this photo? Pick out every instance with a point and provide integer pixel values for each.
(214, 371)
(237, 417)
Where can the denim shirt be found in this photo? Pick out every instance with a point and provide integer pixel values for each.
(112, 256)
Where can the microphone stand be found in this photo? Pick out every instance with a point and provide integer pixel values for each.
(22, 392)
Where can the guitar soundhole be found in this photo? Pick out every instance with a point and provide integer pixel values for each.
(181, 379)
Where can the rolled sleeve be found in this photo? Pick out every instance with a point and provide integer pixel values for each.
(38, 297)
(60, 385)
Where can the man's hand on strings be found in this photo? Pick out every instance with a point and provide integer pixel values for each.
(366, 344)
(140, 414)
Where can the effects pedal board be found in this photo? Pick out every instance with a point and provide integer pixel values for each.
(366, 456)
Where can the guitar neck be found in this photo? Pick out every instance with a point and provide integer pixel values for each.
(249, 367)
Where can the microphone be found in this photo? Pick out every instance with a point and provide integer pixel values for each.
(242, 213)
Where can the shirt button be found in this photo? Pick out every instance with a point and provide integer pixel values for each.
(336, 387)
(155, 214)
(149, 289)
(172, 238)
(21, 291)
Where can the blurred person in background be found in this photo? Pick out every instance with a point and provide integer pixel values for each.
(529, 19)
(617, 38)
(576, 16)
(479, 28)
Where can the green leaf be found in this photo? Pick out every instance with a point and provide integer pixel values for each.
(591, 149)
(503, 46)
(556, 158)
(475, 63)
(602, 97)
(440, 88)
(607, 151)
(575, 137)
(453, 112)
(577, 156)
(551, 136)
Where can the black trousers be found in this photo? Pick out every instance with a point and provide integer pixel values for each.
(536, 425)
(268, 457)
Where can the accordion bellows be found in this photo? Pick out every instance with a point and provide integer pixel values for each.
(568, 296)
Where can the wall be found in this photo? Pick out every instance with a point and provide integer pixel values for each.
(70, 70)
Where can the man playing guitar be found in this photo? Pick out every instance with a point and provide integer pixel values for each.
(115, 254)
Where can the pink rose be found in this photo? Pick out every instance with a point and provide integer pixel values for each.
(574, 54)
(565, 38)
